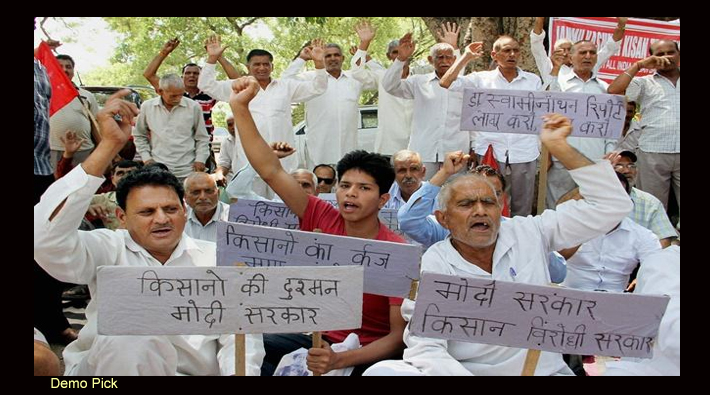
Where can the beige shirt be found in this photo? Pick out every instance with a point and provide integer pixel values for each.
(73, 117)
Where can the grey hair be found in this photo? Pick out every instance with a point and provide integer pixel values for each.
(392, 45)
(310, 173)
(439, 47)
(404, 154)
(333, 45)
(446, 191)
(563, 41)
(195, 175)
(498, 44)
(171, 81)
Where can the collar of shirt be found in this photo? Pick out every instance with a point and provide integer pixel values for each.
(215, 217)
(186, 243)
(158, 102)
(432, 77)
(521, 75)
(566, 77)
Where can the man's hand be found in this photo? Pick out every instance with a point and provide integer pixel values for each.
(116, 118)
(98, 210)
(243, 91)
(198, 166)
(365, 32)
(169, 46)
(305, 53)
(654, 62)
(475, 50)
(453, 163)
(214, 48)
(71, 142)
(406, 47)
(321, 360)
(318, 53)
(449, 34)
(282, 149)
(556, 129)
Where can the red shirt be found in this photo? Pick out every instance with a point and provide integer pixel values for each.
(375, 308)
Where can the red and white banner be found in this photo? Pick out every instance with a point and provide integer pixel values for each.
(640, 33)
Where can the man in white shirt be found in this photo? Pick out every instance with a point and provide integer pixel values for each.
(516, 154)
(154, 217)
(272, 106)
(178, 137)
(480, 245)
(549, 69)
(409, 172)
(394, 114)
(204, 208)
(333, 118)
(582, 78)
(436, 121)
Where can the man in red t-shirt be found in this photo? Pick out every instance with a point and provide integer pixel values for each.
(364, 179)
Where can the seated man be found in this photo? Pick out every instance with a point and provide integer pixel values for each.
(153, 214)
(482, 246)
(364, 180)
(204, 207)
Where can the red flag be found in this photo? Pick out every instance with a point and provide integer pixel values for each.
(490, 159)
(63, 91)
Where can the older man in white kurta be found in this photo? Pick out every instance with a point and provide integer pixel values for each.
(333, 118)
(517, 252)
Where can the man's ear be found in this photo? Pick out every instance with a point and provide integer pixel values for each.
(431, 60)
(441, 218)
(383, 200)
(423, 171)
(121, 215)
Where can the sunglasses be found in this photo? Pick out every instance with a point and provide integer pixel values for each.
(328, 181)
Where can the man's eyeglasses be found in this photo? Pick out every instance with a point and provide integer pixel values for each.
(328, 181)
(620, 166)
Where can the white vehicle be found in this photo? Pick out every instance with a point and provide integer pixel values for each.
(366, 133)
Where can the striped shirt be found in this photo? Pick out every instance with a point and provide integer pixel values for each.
(43, 92)
(660, 112)
(649, 213)
(206, 102)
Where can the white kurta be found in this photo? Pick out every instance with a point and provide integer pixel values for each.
(394, 114)
(271, 108)
(521, 255)
(436, 122)
(333, 118)
(74, 256)
(195, 229)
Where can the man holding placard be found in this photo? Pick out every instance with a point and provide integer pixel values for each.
(153, 214)
(364, 179)
(515, 250)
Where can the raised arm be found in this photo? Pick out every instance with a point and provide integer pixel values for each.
(259, 153)
(473, 51)
(392, 82)
(618, 87)
(151, 72)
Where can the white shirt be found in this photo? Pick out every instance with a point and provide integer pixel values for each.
(544, 63)
(178, 137)
(436, 122)
(519, 148)
(659, 275)
(195, 229)
(271, 108)
(521, 255)
(606, 262)
(333, 118)
(394, 114)
(73, 256)
(592, 148)
(229, 155)
(396, 200)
